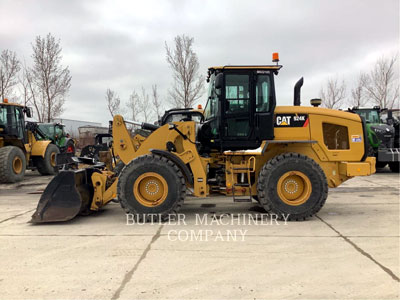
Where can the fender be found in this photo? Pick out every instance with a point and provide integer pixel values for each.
(176, 160)
(39, 148)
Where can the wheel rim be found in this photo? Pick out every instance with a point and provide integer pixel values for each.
(53, 159)
(294, 188)
(150, 189)
(17, 165)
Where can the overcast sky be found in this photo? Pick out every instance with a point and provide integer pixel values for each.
(120, 44)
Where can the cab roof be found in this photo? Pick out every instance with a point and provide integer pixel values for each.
(11, 104)
(254, 67)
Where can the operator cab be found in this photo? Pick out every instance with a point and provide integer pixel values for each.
(12, 121)
(180, 115)
(239, 113)
(370, 115)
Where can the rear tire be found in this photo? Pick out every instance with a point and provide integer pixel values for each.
(12, 164)
(47, 165)
(394, 166)
(151, 188)
(292, 184)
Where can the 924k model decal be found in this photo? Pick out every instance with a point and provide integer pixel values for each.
(291, 120)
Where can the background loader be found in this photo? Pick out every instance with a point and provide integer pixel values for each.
(285, 157)
(20, 147)
(56, 133)
(103, 141)
(383, 139)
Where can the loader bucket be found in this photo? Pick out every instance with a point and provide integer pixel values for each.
(68, 194)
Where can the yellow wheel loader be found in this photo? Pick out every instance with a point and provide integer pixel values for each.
(19, 147)
(284, 157)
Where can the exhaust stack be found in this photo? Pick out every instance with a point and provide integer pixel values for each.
(297, 88)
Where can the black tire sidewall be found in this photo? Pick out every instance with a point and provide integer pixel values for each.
(309, 169)
(51, 148)
(119, 167)
(133, 170)
(10, 175)
(43, 164)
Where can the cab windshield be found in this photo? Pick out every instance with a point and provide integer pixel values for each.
(211, 109)
(3, 115)
(47, 129)
(11, 120)
(370, 116)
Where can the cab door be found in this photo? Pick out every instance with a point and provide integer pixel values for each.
(264, 105)
(12, 121)
(237, 118)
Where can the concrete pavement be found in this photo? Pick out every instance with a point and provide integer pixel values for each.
(350, 250)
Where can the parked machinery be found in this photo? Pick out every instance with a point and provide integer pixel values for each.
(19, 147)
(103, 141)
(57, 134)
(246, 147)
(382, 140)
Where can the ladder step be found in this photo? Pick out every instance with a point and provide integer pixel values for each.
(241, 169)
(242, 184)
(242, 200)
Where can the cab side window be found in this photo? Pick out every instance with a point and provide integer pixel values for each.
(237, 93)
(263, 92)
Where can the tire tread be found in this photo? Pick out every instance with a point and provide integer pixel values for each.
(145, 159)
(265, 176)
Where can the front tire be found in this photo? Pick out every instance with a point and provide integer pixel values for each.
(12, 164)
(47, 165)
(292, 184)
(151, 187)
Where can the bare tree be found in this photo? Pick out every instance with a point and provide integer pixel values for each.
(133, 106)
(113, 102)
(32, 94)
(188, 84)
(358, 97)
(51, 78)
(24, 88)
(333, 94)
(156, 101)
(9, 68)
(144, 105)
(381, 84)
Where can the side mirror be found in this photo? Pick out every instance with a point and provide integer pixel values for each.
(219, 83)
(28, 112)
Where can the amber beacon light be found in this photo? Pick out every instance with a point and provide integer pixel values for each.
(275, 57)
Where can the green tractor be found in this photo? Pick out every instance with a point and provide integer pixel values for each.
(56, 133)
(382, 138)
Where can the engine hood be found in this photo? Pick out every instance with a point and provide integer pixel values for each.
(317, 111)
(381, 129)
